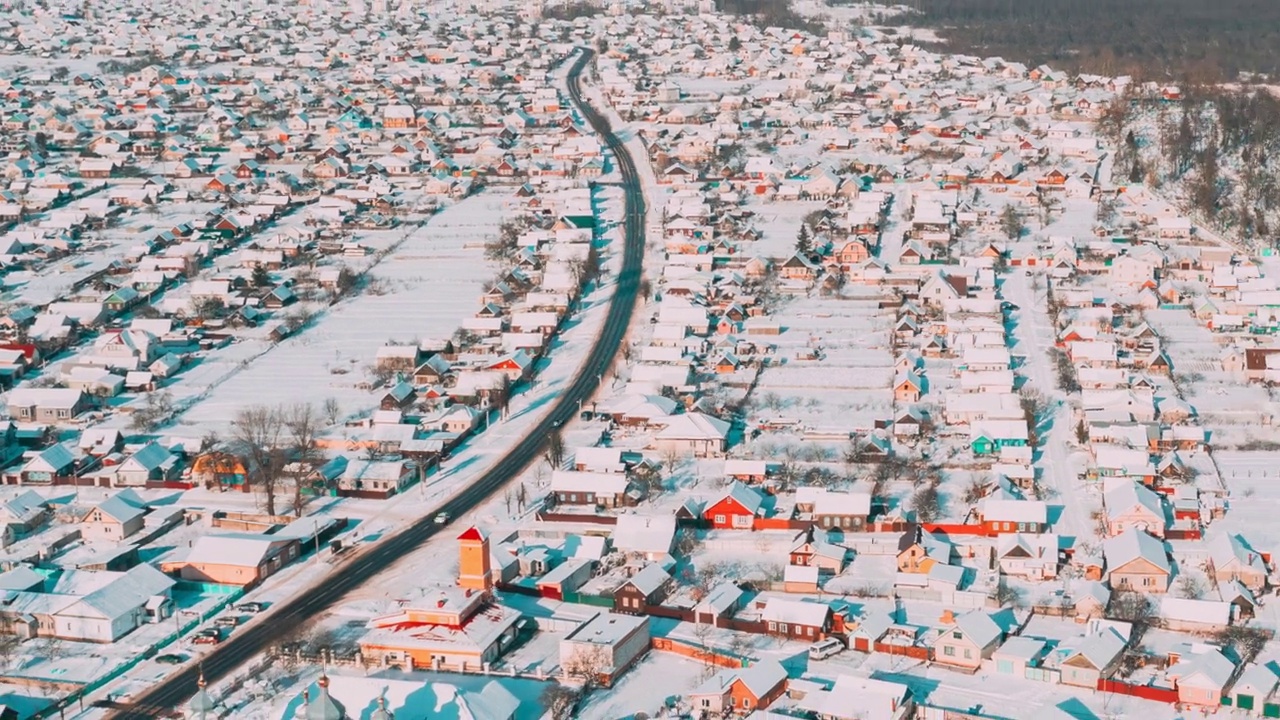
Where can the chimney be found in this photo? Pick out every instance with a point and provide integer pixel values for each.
(440, 603)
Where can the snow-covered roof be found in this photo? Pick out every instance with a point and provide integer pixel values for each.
(644, 533)
(795, 612)
(694, 426)
(1132, 545)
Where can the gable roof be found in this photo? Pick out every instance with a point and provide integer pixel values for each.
(695, 426)
(119, 507)
(748, 497)
(979, 628)
(1125, 496)
(1133, 545)
(1099, 649)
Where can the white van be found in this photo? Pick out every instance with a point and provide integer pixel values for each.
(824, 649)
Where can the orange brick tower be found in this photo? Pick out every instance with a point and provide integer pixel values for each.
(473, 561)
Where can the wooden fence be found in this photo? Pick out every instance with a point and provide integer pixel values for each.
(701, 654)
(911, 651)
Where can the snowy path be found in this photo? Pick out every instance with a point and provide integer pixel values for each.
(1033, 337)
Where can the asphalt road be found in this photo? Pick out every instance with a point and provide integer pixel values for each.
(240, 647)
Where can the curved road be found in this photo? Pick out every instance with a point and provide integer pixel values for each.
(171, 693)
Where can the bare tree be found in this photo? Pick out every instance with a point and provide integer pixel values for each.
(687, 542)
(258, 431)
(9, 645)
(554, 452)
(561, 701)
(1245, 641)
(504, 394)
(303, 423)
(332, 410)
(1132, 607)
(974, 491)
(1189, 586)
(927, 503)
(671, 460)
(1007, 594)
(588, 664)
(155, 411)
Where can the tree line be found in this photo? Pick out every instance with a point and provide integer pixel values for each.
(1166, 40)
(1220, 147)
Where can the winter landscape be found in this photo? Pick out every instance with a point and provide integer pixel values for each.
(684, 360)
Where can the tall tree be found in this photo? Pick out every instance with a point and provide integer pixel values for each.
(1011, 222)
(804, 241)
(258, 433)
(303, 423)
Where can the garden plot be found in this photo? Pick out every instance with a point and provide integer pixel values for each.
(50, 282)
(779, 224)
(1253, 478)
(850, 386)
(422, 289)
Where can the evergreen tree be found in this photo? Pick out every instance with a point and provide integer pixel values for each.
(804, 241)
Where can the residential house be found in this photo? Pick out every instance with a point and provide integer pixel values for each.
(1132, 506)
(695, 434)
(47, 405)
(919, 550)
(1137, 561)
(1232, 558)
(1253, 689)
(243, 559)
(647, 587)
(833, 510)
(1034, 557)
(90, 606)
(860, 698)
(597, 489)
(1020, 516)
(1086, 660)
(967, 640)
(796, 619)
(1201, 676)
(740, 690)
(736, 509)
(151, 463)
(650, 537)
(114, 519)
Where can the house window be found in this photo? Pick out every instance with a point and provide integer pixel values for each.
(773, 626)
(968, 654)
(948, 651)
(1022, 527)
(782, 627)
(957, 635)
(719, 519)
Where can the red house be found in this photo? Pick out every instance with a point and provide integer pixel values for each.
(736, 509)
(740, 690)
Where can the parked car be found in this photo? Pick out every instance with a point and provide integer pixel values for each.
(207, 637)
(252, 608)
(824, 649)
(227, 621)
(171, 659)
(442, 518)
